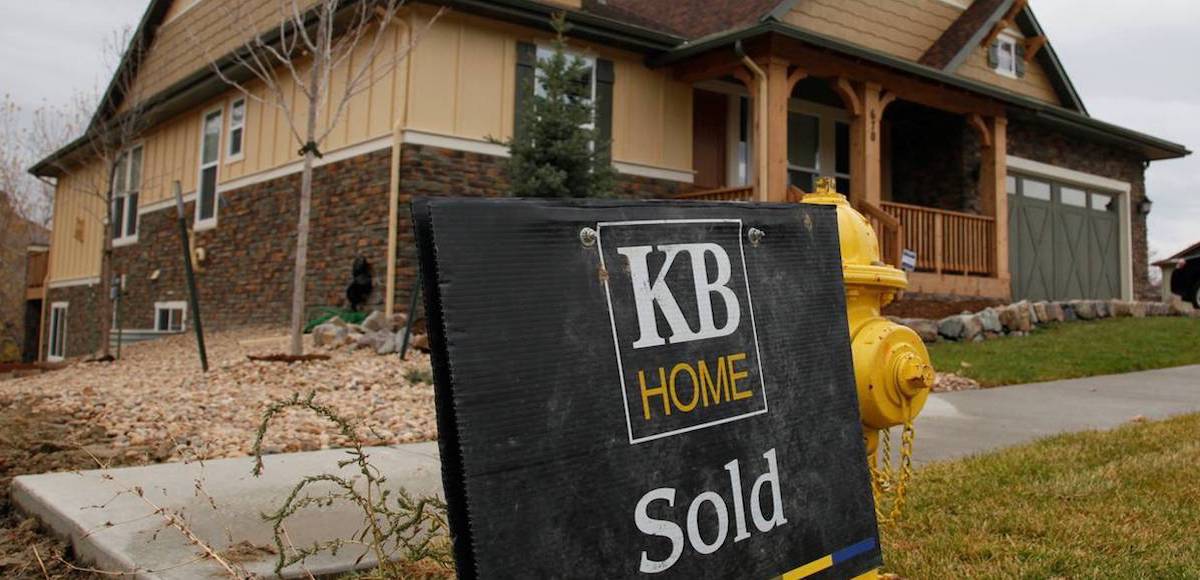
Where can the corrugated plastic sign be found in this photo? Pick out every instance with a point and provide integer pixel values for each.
(651, 389)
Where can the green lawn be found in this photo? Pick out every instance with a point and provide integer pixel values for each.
(1118, 504)
(1074, 349)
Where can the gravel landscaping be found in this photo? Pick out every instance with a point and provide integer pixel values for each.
(156, 395)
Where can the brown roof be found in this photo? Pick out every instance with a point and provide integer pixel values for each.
(967, 27)
(688, 18)
(1189, 252)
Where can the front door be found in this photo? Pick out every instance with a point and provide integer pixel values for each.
(1063, 240)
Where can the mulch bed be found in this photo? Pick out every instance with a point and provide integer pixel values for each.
(935, 309)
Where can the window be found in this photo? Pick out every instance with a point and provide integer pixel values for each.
(127, 184)
(1035, 189)
(1004, 57)
(237, 131)
(1072, 196)
(210, 155)
(169, 316)
(586, 81)
(841, 163)
(804, 143)
(1101, 202)
(57, 349)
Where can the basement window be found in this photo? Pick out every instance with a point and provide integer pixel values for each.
(169, 316)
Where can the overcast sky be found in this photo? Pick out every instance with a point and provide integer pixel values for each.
(1133, 63)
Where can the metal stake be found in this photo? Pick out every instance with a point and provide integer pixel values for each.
(193, 299)
(412, 307)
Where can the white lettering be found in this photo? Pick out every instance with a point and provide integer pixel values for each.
(647, 294)
(667, 529)
(771, 477)
(693, 526)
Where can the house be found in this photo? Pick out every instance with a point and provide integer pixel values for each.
(24, 248)
(951, 119)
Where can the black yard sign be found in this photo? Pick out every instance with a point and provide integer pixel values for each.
(649, 389)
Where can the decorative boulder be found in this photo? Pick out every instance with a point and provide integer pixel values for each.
(990, 320)
(1015, 317)
(386, 343)
(1043, 313)
(1054, 312)
(329, 334)
(960, 327)
(375, 322)
(926, 329)
(398, 321)
(1102, 308)
(1084, 310)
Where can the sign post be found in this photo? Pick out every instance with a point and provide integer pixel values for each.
(632, 389)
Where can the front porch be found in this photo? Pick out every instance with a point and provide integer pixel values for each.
(924, 162)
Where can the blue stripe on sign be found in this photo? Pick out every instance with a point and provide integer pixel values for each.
(853, 550)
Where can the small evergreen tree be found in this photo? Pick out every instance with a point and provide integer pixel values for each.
(558, 152)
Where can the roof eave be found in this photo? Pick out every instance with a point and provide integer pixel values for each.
(1153, 147)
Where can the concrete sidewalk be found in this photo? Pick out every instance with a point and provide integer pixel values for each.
(952, 425)
(955, 425)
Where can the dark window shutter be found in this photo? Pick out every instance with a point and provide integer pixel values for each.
(994, 54)
(526, 77)
(604, 106)
(1019, 52)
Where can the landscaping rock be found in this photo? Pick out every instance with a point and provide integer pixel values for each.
(1084, 310)
(398, 321)
(1015, 317)
(337, 321)
(1158, 309)
(1054, 312)
(1181, 308)
(420, 342)
(1043, 314)
(375, 322)
(387, 343)
(960, 327)
(1102, 308)
(926, 329)
(329, 334)
(990, 320)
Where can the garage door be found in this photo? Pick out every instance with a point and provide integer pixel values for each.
(1063, 241)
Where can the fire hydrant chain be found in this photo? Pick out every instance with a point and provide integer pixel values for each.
(891, 485)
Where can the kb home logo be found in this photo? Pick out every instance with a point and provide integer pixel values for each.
(683, 324)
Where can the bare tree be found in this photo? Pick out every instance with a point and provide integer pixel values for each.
(311, 42)
(118, 120)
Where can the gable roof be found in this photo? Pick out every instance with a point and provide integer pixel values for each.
(690, 18)
(965, 34)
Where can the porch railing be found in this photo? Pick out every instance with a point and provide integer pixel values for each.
(745, 193)
(888, 229)
(947, 241)
(35, 272)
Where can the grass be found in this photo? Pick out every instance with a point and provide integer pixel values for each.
(1075, 349)
(1117, 504)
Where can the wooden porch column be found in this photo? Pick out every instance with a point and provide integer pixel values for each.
(779, 90)
(866, 164)
(993, 193)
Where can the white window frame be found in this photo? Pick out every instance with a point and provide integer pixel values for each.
(1010, 41)
(51, 354)
(179, 305)
(230, 156)
(827, 120)
(206, 224)
(546, 51)
(125, 166)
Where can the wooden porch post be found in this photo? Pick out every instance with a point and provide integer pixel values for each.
(992, 190)
(866, 165)
(779, 90)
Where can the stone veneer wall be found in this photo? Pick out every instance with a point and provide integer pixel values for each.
(1039, 143)
(246, 276)
(83, 324)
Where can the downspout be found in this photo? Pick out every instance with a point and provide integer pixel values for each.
(760, 122)
(389, 303)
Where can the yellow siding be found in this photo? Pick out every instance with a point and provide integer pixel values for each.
(78, 200)
(463, 85)
(1035, 83)
(906, 29)
(903, 28)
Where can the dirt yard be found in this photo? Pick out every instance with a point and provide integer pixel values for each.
(155, 405)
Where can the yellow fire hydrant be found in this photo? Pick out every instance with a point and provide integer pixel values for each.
(891, 365)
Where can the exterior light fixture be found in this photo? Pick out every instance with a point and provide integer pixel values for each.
(1143, 206)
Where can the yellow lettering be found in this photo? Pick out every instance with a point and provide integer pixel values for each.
(659, 391)
(684, 368)
(707, 388)
(735, 374)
